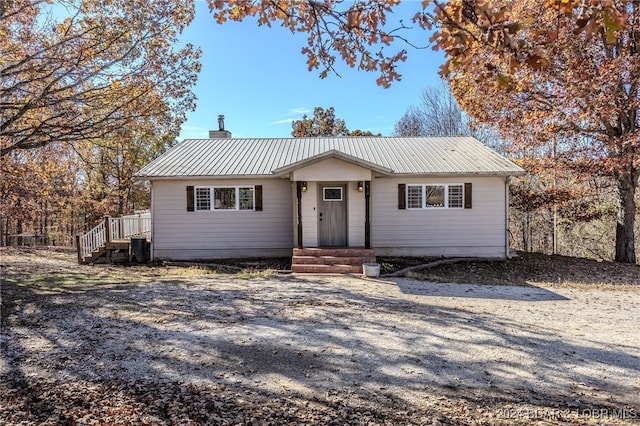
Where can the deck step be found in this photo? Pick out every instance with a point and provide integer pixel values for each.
(116, 251)
(331, 260)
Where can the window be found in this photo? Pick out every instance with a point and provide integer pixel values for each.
(203, 198)
(414, 196)
(435, 196)
(456, 198)
(246, 198)
(332, 194)
(225, 198)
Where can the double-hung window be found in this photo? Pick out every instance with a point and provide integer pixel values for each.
(225, 198)
(203, 198)
(433, 196)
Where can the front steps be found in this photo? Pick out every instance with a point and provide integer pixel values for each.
(331, 260)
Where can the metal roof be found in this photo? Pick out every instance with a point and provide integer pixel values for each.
(265, 157)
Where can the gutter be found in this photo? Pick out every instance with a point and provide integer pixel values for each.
(506, 217)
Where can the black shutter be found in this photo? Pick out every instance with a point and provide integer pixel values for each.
(190, 198)
(258, 195)
(467, 195)
(402, 196)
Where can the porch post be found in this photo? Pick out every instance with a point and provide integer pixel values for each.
(78, 249)
(367, 214)
(299, 201)
(107, 228)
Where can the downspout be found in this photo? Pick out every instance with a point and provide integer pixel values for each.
(507, 253)
(152, 222)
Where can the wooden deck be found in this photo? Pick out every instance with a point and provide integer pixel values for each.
(110, 240)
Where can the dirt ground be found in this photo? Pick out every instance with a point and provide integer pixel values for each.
(168, 345)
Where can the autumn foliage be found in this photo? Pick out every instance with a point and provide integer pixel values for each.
(356, 34)
(89, 88)
(560, 80)
(561, 72)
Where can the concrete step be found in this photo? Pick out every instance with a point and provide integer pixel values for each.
(336, 252)
(331, 260)
(326, 269)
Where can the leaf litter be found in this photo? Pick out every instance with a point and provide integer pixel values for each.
(154, 345)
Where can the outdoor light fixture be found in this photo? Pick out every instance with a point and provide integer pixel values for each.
(304, 186)
(360, 186)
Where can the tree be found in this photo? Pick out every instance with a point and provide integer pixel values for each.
(438, 114)
(359, 132)
(109, 165)
(566, 67)
(358, 32)
(323, 123)
(411, 123)
(87, 75)
(90, 91)
(350, 33)
(38, 194)
(546, 78)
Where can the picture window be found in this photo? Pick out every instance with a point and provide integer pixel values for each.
(225, 198)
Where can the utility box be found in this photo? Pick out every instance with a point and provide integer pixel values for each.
(139, 249)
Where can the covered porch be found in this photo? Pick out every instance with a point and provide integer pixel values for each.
(332, 212)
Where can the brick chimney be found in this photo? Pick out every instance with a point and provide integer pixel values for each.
(221, 133)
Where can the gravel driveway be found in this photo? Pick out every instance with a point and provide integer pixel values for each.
(360, 342)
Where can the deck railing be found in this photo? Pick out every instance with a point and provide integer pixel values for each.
(130, 226)
(92, 240)
(113, 228)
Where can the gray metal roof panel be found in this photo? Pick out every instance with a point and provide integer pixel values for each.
(261, 157)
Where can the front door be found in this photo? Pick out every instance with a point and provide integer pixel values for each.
(332, 216)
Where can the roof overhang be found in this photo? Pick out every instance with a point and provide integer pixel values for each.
(281, 171)
(509, 173)
(207, 177)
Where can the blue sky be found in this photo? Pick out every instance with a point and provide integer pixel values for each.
(257, 77)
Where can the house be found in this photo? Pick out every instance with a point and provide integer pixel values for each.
(409, 196)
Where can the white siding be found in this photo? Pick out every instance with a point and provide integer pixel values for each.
(310, 215)
(355, 214)
(331, 170)
(179, 234)
(479, 231)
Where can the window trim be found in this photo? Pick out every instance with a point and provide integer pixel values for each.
(212, 203)
(423, 190)
(324, 198)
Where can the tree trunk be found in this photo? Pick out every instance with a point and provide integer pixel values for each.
(625, 234)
